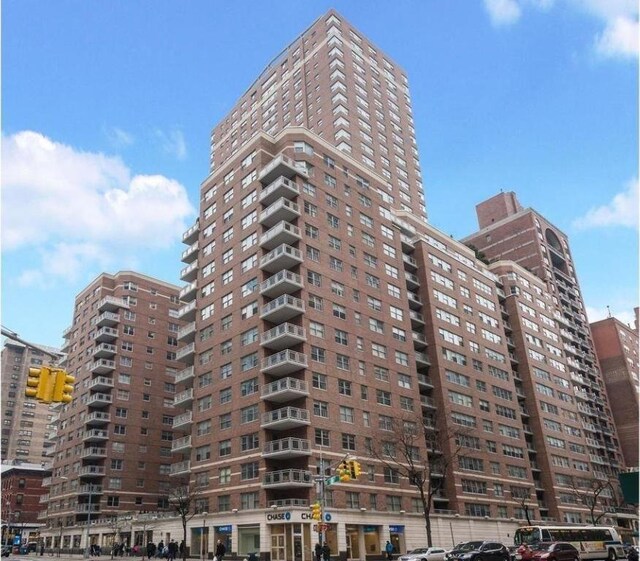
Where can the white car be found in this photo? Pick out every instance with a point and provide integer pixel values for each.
(424, 554)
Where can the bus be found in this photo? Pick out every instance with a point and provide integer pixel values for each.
(593, 542)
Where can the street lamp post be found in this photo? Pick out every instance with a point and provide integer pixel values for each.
(202, 539)
(64, 478)
(88, 543)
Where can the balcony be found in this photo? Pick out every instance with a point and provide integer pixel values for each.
(92, 471)
(425, 381)
(282, 209)
(181, 444)
(44, 498)
(112, 303)
(97, 418)
(183, 398)
(90, 490)
(419, 340)
(422, 358)
(181, 468)
(68, 331)
(281, 187)
(283, 257)
(283, 363)
(103, 366)
(185, 374)
(190, 272)
(186, 354)
(407, 242)
(417, 319)
(284, 390)
(412, 281)
(188, 292)
(104, 350)
(427, 402)
(105, 334)
(86, 508)
(288, 478)
(282, 309)
(285, 418)
(187, 312)
(187, 333)
(288, 503)
(281, 233)
(183, 420)
(95, 435)
(283, 336)
(101, 383)
(414, 300)
(99, 400)
(286, 448)
(93, 453)
(284, 282)
(190, 254)
(281, 165)
(107, 318)
(191, 235)
(410, 262)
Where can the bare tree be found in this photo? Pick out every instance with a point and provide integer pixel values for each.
(594, 493)
(416, 450)
(183, 498)
(522, 497)
(117, 524)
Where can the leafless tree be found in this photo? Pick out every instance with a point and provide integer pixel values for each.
(183, 498)
(117, 524)
(522, 498)
(415, 449)
(596, 494)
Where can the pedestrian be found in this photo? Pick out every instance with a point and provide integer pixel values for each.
(183, 548)
(326, 551)
(389, 549)
(220, 550)
(173, 550)
(42, 549)
(160, 549)
(318, 551)
(151, 549)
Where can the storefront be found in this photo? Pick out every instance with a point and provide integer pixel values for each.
(396, 537)
(223, 533)
(292, 536)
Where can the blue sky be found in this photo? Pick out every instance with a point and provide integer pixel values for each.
(108, 106)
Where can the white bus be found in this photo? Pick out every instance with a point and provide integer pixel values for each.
(593, 542)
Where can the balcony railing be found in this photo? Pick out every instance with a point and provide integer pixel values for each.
(282, 308)
(192, 233)
(287, 448)
(283, 282)
(288, 478)
(283, 336)
(110, 303)
(281, 187)
(285, 418)
(284, 362)
(285, 389)
(185, 374)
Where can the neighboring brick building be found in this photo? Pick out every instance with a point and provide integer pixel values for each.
(616, 347)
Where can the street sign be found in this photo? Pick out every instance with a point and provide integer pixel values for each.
(320, 527)
(332, 480)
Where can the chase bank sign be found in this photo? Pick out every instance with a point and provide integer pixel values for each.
(287, 516)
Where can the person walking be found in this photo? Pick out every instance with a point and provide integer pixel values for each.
(326, 552)
(220, 550)
(182, 549)
(389, 550)
(173, 550)
(318, 551)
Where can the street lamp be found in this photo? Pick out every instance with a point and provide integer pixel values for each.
(202, 539)
(88, 544)
(64, 478)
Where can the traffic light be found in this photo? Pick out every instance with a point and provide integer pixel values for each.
(40, 384)
(343, 471)
(354, 469)
(316, 511)
(63, 387)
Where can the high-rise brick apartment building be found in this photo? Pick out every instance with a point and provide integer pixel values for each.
(616, 346)
(27, 424)
(113, 450)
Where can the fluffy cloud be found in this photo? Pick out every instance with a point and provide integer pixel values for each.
(622, 210)
(502, 12)
(620, 38)
(78, 208)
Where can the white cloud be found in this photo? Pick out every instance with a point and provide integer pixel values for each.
(619, 38)
(172, 143)
(625, 316)
(621, 211)
(119, 138)
(80, 209)
(502, 12)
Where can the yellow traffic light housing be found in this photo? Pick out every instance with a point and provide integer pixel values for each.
(354, 469)
(63, 387)
(40, 384)
(343, 471)
(316, 511)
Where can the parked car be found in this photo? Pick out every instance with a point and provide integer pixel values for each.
(549, 551)
(480, 551)
(461, 548)
(424, 554)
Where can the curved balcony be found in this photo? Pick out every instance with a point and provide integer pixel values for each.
(90, 490)
(190, 254)
(103, 366)
(101, 383)
(281, 233)
(284, 282)
(283, 336)
(280, 165)
(191, 235)
(281, 187)
(188, 292)
(283, 363)
(187, 312)
(282, 209)
(185, 374)
(183, 420)
(87, 508)
(282, 257)
(181, 468)
(112, 303)
(99, 400)
(97, 418)
(93, 453)
(288, 478)
(282, 308)
(92, 471)
(181, 444)
(285, 418)
(284, 390)
(187, 333)
(190, 272)
(285, 448)
(95, 435)
(186, 353)
(107, 318)
(104, 350)
(105, 334)
(183, 398)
